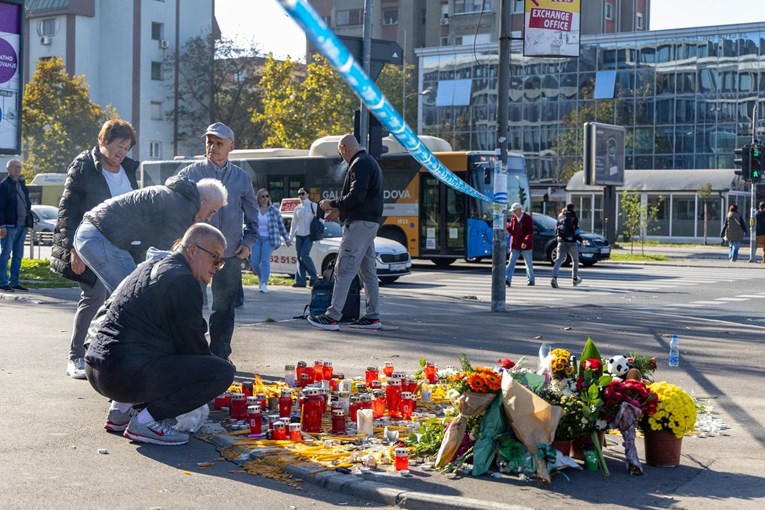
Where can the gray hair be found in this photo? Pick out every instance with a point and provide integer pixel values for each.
(13, 162)
(213, 190)
(199, 233)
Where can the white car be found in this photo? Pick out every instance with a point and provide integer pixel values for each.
(45, 222)
(393, 260)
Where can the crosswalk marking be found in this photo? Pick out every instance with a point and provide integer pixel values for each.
(621, 280)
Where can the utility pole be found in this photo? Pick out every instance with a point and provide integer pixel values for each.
(366, 60)
(753, 198)
(499, 242)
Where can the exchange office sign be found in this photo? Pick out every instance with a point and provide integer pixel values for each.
(551, 28)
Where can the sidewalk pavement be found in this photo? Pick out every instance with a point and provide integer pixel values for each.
(56, 421)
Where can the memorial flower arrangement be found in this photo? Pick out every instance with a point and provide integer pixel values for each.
(675, 410)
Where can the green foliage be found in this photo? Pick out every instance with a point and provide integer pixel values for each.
(58, 118)
(36, 274)
(638, 219)
(299, 112)
(218, 81)
(427, 437)
(391, 83)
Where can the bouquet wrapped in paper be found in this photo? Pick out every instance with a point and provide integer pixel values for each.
(533, 420)
(468, 404)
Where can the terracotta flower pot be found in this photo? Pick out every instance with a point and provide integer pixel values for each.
(562, 445)
(578, 445)
(662, 448)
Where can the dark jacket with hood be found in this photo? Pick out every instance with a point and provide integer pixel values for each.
(156, 312)
(84, 189)
(362, 195)
(154, 216)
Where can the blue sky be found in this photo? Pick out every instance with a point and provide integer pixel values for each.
(265, 23)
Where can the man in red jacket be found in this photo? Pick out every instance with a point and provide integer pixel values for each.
(521, 230)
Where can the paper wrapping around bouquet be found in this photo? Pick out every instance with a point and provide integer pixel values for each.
(468, 404)
(533, 420)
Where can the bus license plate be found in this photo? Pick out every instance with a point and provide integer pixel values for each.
(398, 267)
(605, 250)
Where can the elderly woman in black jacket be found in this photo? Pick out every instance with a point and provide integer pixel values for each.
(95, 175)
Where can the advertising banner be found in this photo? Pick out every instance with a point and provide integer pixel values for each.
(551, 28)
(10, 77)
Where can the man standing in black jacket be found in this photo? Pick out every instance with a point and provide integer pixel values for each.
(15, 217)
(151, 348)
(359, 208)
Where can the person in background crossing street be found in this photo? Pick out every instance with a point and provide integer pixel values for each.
(521, 230)
(734, 232)
(568, 235)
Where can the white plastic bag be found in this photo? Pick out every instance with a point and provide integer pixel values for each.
(191, 421)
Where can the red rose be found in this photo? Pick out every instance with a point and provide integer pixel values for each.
(506, 363)
(593, 364)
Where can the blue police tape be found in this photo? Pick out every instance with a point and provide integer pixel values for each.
(338, 55)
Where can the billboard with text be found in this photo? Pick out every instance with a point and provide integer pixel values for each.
(10, 76)
(551, 28)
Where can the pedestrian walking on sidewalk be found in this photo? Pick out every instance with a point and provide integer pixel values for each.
(271, 231)
(734, 232)
(521, 230)
(150, 354)
(568, 235)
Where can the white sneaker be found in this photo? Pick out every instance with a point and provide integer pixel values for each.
(75, 368)
(264, 288)
(155, 432)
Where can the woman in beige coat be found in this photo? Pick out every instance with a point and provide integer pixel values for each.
(734, 231)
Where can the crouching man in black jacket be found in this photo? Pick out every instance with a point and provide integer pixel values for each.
(150, 350)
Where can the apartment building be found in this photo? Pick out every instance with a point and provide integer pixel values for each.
(119, 46)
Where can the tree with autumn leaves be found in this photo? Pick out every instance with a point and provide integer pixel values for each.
(58, 118)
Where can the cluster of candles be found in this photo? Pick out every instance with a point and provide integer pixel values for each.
(396, 399)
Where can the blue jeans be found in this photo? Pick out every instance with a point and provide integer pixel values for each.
(514, 256)
(733, 247)
(111, 264)
(305, 266)
(356, 256)
(260, 258)
(12, 247)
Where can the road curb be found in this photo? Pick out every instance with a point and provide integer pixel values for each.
(379, 492)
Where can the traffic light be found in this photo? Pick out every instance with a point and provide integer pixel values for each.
(755, 162)
(744, 160)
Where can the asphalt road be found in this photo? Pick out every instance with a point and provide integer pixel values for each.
(52, 425)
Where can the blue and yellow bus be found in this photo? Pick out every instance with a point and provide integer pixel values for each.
(434, 221)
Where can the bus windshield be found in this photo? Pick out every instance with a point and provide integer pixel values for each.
(482, 179)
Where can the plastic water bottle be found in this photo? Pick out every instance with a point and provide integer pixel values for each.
(674, 352)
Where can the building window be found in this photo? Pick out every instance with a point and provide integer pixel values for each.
(157, 30)
(390, 17)
(155, 150)
(423, 17)
(327, 20)
(156, 70)
(470, 6)
(348, 17)
(518, 7)
(639, 21)
(609, 11)
(444, 41)
(48, 27)
(156, 110)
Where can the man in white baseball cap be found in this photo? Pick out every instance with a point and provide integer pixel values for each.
(521, 230)
(240, 209)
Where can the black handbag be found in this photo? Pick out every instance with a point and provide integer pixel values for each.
(317, 227)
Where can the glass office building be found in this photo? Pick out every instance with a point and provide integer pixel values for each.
(685, 96)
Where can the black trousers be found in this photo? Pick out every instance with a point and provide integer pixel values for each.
(168, 386)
